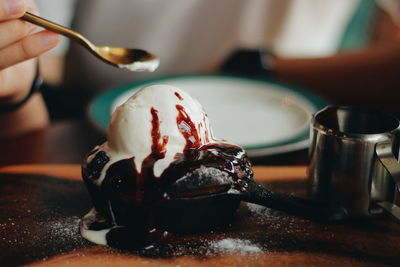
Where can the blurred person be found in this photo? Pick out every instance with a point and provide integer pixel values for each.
(20, 44)
(304, 40)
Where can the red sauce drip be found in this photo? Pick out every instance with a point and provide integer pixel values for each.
(187, 128)
(178, 96)
(157, 148)
(158, 151)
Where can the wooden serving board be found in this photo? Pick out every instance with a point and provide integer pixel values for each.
(41, 205)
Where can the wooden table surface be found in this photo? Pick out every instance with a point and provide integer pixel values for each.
(41, 205)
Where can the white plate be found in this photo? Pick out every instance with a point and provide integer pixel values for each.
(264, 117)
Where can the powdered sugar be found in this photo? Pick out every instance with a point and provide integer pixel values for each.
(63, 228)
(259, 210)
(235, 245)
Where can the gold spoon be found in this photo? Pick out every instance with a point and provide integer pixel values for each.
(124, 58)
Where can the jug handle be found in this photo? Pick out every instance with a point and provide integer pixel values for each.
(385, 155)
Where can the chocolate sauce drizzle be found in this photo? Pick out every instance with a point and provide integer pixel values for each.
(134, 200)
(97, 164)
(188, 129)
(158, 151)
(178, 96)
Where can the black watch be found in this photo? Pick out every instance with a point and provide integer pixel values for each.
(35, 87)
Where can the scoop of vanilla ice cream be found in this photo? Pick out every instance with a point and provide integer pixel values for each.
(130, 129)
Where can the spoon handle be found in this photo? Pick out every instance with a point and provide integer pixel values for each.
(52, 26)
(297, 206)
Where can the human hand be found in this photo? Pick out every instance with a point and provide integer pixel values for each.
(20, 45)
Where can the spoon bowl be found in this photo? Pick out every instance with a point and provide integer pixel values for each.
(121, 57)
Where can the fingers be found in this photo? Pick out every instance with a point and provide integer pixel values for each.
(11, 9)
(13, 30)
(29, 47)
(16, 43)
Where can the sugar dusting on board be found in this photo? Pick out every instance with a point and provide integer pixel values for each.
(65, 228)
(234, 245)
(269, 216)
